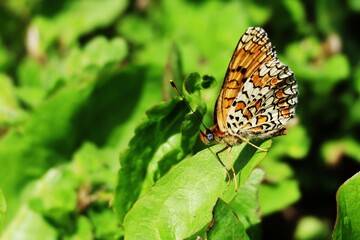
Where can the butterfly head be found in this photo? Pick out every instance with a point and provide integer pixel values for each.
(207, 136)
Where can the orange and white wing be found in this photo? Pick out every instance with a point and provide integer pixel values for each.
(265, 103)
(252, 51)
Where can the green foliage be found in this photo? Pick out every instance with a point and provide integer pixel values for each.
(2, 210)
(94, 143)
(158, 153)
(348, 209)
(312, 228)
(226, 224)
(186, 195)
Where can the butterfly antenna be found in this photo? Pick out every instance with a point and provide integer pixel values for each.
(187, 103)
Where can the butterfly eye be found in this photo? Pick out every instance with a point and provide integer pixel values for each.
(210, 137)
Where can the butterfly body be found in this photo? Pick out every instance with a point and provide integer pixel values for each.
(258, 95)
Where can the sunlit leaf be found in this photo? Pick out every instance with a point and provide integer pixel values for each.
(180, 204)
(225, 224)
(348, 210)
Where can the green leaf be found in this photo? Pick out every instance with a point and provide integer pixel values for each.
(40, 81)
(277, 196)
(347, 224)
(2, 210)
(102, 230)
(66, 193)
(59, 126)
(245, 207)
(29, 225)
(296, 10)
(6, 55)
(201, 54)
(249, 158)
(276, 170)
(312, 228)
(355, 5)
(333, 151)
(79, 17)
(173, 71)
(295, 144)
(185, 196)
(19, 150)
(87, 161)
(100, 52)
(326, 73)
(154, 134)
(134, 163)
(246, 204)
(356, 82)
(54, 195)
(133, 26)
(225, 224)
(83, 230)
(208, 82)
(10, 112)
(339, 66)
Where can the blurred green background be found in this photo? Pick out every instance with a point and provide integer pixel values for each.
(76, 78)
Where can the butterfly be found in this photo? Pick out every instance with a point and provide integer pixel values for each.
(258, 96)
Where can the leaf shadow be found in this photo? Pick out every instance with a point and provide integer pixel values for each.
(111, 103)
(246, 155)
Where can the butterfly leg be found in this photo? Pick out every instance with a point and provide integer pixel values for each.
(232, 167)
(250, 143)
(218, 158)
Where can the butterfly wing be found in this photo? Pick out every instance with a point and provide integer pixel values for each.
(265, 103)
(253, 49)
